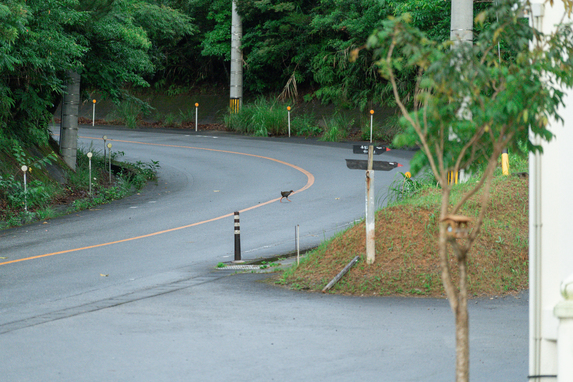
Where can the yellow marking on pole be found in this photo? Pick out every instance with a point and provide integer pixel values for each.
(309, 183)
(505, 164)
(235, 105)
(452, 177)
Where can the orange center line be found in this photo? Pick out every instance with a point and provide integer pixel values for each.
(309, 183)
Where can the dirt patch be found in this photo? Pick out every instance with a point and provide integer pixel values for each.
(407, 260)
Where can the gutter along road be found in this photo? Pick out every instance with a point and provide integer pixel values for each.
(128, 290)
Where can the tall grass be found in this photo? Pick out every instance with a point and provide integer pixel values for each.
(130, 111)
(262, 118)
(336, 127)
(265, 118)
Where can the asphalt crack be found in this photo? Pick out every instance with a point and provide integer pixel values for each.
(110, 302)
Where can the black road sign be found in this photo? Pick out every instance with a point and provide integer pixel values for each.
(377, 165)
(363, 149)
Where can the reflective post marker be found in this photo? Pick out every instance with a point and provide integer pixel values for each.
(196, 115)
(237, 238)
(109, 147)
(25, 169)
(104, 139)
(371, 123)
(288, 111)
(90, 170)
(94, 113)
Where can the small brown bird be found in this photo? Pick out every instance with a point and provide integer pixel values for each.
(285, 194)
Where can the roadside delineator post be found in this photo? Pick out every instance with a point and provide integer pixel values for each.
(371, 123)
(90, 170)
(288, 112)
(196, 115)
(94, 113)
(109, 151)
(104, 146)
(237, 239)
(24, 170)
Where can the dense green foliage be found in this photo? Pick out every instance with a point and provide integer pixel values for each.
(111, 43)
(300, 44)
(472, 102)
(173, 45)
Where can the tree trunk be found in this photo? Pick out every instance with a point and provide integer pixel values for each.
(457, 294)
(69, 124)
(462, 326)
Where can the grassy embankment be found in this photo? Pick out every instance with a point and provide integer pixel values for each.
(407, 261)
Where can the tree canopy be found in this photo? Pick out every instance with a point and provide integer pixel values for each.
(109, 42)
(181, 43)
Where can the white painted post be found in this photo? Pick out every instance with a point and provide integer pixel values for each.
(90, 170)
(25, 169)
(196, 115)
(104, 146)
(371, 123)
(288, 112)
(370, 222)
(109, 151)
(94, 113)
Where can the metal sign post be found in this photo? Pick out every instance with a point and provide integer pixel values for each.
(370, 166)
(370, 211)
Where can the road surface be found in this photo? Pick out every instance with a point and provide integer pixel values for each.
(129, 290)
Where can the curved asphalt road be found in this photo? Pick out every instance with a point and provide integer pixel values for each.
(162, 313)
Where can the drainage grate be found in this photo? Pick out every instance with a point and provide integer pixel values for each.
(241, 267)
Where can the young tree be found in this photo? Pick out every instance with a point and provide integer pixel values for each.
(471, 103)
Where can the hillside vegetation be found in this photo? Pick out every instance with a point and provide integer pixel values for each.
(407, 263)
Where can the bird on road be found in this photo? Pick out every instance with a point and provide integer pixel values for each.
(285, 194)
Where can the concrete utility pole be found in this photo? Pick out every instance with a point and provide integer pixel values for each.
(461, 32)
(69, 124)
(462, 24)
(236, 61)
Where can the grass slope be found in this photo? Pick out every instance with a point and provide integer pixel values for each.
(407, 261)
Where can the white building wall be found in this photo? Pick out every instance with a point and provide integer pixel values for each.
(551, 228)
